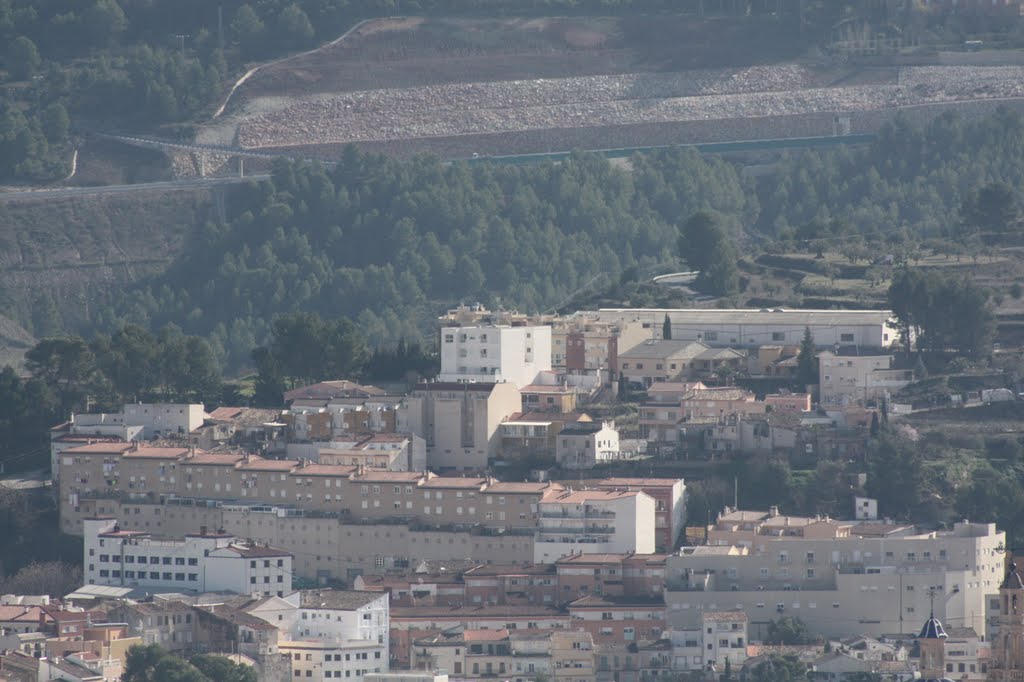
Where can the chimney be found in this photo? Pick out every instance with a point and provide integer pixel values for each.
(773, 511)
(202, 530)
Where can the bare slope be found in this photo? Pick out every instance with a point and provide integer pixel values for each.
(77, 249)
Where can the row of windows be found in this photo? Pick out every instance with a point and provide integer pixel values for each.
(153, 575)
(337, 657)
(140, 559)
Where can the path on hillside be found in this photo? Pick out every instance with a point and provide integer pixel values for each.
(250, 72)
(162, 186)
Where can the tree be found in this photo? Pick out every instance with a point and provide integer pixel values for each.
(991, 208)
(705, 245)
(269, 386)
(223, 669)
(56, 123)
(23, 59)
(806, 361)
(666, 328)
(248, 29)
(293, 28)
(776, 668)
(50, 577)
(151, 663)
(895, 475)
(103, 22)
(788, 630)
(67, 367)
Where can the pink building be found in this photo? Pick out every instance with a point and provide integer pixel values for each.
(789, 402)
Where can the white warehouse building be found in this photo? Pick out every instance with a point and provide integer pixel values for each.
(204, 562)
(752, 327)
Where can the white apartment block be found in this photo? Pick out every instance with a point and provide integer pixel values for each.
(720, 635)
(594, 522)
(495, 353)
(203, 562)
(750, 328)
(380, 452)
(460, 421)
(331, 633)
(584, 445)
(848, 379)
(159, 420)
(840, 578)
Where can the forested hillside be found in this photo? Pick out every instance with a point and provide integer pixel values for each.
(389, 243)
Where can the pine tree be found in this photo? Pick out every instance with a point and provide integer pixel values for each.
(806, 362)
(666, 328)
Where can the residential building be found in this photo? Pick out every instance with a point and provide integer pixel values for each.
(513, 654)
(521, 585)
(329, 390)
(659, 360)
(342, 417)
(719, 403)
(204, 562)
(669, 495)
(558, 398)
(773, 360)
(330, 633)
(865, 508)
(584, 445)
(415, 623)
(719, 635)
(613, 575)
(662, 413)
(534, 433)
(459, 421)
(613, 620)
(788, 402)
(594, 521)
(260, 429)
(169, 623)
(750, 328)
(851, 377)
(380, 451)
(495, 353)
(164, 420)
(583, 343)
(840, 578)
(967, 655)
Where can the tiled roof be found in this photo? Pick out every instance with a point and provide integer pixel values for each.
(101, 449)
(582, 496)
(490, 570)
(664, 349)
(260, 464)
(464, 613)
(484, 635)
(145, 452)
(522, 488)
(213, 459)
(593, 601)
(257, 552)
(454, 482)
(10, 614)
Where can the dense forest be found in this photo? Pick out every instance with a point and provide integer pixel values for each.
(389, 244)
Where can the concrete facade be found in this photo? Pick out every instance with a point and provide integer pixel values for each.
(494, 353)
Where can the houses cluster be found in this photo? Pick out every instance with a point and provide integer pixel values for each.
(577, 614)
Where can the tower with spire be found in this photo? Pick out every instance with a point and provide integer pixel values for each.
(1008, 645)
(932, 644)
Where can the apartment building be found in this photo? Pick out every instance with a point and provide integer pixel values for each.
(584, 445)
(412, 624)
(773, 360)
(613, 575)
(788, 402)
(661, 414)
(669, 495)
(750, 328)
(583, 343)
(331, 390)
(530, 433)
(523, 585)
(719, 403)
(852, 377)
(840, 578)
(512, 654)
(459, 421)
(558, 398)
(318, 420)
(594, 521)
(719, 636)
(657, 360)
(613, 620)
(379, 451)
(203, 562)
(494, 353)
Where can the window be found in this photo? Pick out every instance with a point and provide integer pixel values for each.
(193, 562)
(846, 338)
(778, 336)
